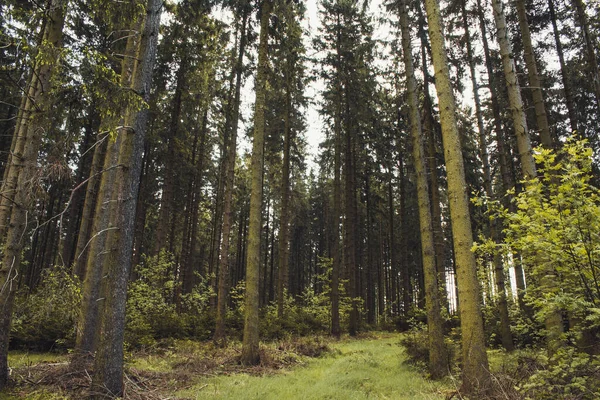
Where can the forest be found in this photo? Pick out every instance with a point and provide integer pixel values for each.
(161, 194)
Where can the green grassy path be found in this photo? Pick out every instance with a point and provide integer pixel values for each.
(363, 369)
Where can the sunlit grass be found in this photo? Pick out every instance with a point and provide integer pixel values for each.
(362, 369)
(19, 359)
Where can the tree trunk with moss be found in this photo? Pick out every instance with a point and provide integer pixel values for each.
(475, 373)
(282, 278)
(590, 49)
(250, 345)
(535, 83)
(514, 93)
(17, 196)
(231, 125)
(92, 246)
(487, 183)
(563, 69)
(438, 359)
(108, 364)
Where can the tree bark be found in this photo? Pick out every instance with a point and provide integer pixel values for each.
(563, 69)
(502, 304)
(514, 93)
(108, 365)
(475, 374)
(232, 124)
(535, 83)
(250, 345)
(17, 198)
(589, 48)
(282, 281)
(438, 359)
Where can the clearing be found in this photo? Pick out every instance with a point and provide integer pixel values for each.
(370, 367)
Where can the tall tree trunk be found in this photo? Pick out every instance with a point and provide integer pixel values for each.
(93, 300)
(92, 194)
(392, 292)
(165, 215)
(250, 354)
(590, 48)
(282, 281)
(438, 359)
(351, 224)
(514, 93)
(21, 170)
(76, 202)
(475, 372)
(108, 364)
(431, 129)
(501, 143)
(535, 83)
(487, 182)
(336, 253)
(232, 124)
(563, 69)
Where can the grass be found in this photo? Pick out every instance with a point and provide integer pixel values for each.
(360, 369)
(19, 359)
(298, 368)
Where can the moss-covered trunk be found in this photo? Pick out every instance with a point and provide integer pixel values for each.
(535, 83)
(514, 93)
(18, 199)
(250, 354)
(438, 360)
(475, 372)
(108, 364)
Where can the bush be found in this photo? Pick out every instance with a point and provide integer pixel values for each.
(152, 312)
(47, 317)
(569, 375)
(416, 345)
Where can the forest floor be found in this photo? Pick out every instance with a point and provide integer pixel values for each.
(370, 367)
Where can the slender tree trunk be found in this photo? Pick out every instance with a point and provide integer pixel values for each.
(431, 129)
(78, 195)
(89, 205)
(108, 365)
(475, 372)
(487, 178)
(590, 48)
(336, 253)
(335, 229)
(351, 226)
(250, 345)
(165, 215)
(223, 286)
(282, 281)
(438, 359)
(535, 83)
(514, 93)
(93, 300)
(393, 298)
(563, 69)
(21, 171)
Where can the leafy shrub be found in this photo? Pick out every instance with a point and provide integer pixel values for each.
(47, 317)
(569, 375)
(416, 345)
(309, 313)
(152, 312)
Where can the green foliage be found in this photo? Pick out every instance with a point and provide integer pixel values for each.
(416, 345)
(556, 230)
(309, 313)
(570, 375)
(151, 311)
(46, 318)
